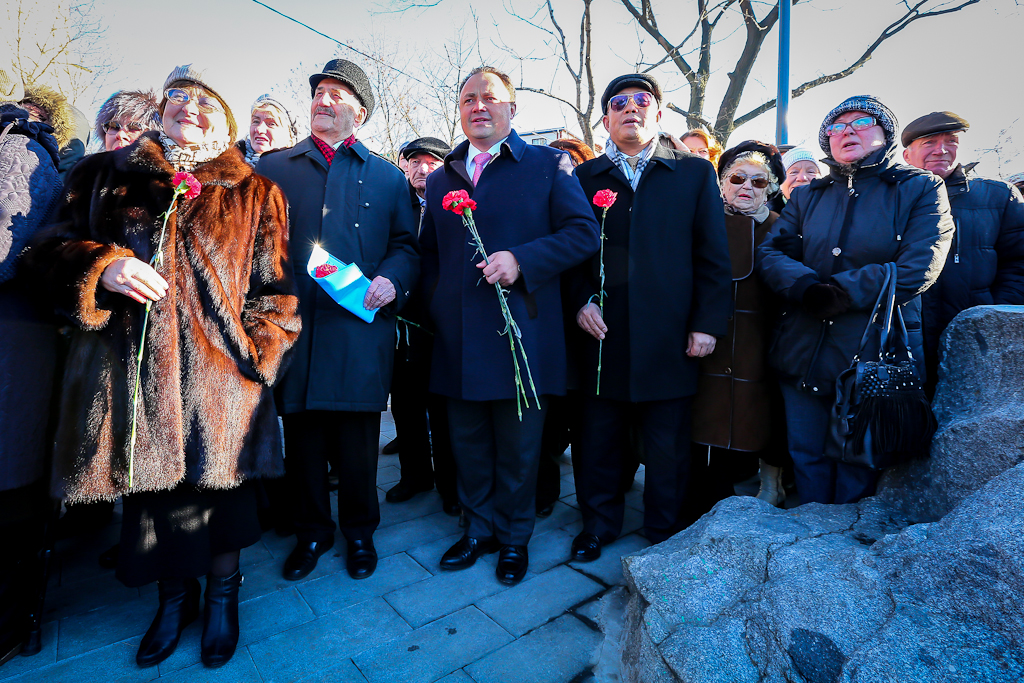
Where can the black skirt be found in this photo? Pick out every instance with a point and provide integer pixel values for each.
(176, 534)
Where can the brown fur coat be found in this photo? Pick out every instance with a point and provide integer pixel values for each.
(215, 345)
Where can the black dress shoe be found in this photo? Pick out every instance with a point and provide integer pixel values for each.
(220, 619)
(179, 607)
(303, 559)
(403, 491)
(464, 553)
(390, 448)
(586, 547)
(512, 564)
(362, 559)
(451, 508)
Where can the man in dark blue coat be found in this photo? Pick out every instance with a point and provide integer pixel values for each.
(355, 205)
(668, 295)
(534, 222)
(986, 260)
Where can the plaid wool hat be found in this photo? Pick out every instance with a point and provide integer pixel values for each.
(867, 104)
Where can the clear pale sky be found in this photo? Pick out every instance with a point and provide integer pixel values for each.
(967, 62)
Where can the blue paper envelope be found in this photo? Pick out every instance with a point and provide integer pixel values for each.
(347, 285)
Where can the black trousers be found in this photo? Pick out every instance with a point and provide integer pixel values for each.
(350, 440)
(421, 421)
(497, 455)
(602, 451)
(23, 515)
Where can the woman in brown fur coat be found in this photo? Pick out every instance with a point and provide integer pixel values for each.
(224, 317)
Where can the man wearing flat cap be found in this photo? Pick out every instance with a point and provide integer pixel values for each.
(985, 264)
(667, 297)
(421, 418)
(355, 205)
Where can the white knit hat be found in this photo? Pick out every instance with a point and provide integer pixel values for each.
(801, 154)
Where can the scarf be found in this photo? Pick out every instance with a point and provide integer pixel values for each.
(760, 215)
(187, 158)
(251, 155)
(619, 158)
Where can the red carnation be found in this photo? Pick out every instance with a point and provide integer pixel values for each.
(191, 187)
(458, 201)
(325, 269)
(605, 198)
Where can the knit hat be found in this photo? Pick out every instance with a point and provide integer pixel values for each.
(1016, 179)
(133, 106)
(800, 154)
(431, 146)
(351, 75)
(867, 104)
(643, 81)
(11, 89)
(266, 100)
(930, 124)
(189, 74)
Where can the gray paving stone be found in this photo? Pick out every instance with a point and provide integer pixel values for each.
(459, 676)
(444, 593)
(342, 672)
(608, 567)
(318, 645)
(635, 499)
(108, 624)
(114, 662)
(554, 653)
(71, 598)
(632, 520)
(240, 669)
(279, 546)
(266, 578)
(387, 475)
(567, 485)
(547, 550)
(46, 656)
(534, 602)
(561, 516)
(571, 501)
(429, 554)
(420, 505)
(336, 591)
(434, 650)
(405, 535)
(255, 554)
(388, 461)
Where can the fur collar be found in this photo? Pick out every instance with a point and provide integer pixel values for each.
(146, 155)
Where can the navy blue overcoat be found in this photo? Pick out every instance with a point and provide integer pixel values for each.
(529, 203)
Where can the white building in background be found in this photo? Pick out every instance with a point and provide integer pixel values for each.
(545, 136)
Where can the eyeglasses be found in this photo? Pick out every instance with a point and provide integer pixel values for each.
(642, 100)
(114, 126)
(180, 97)
(758, 181)
(862, 123)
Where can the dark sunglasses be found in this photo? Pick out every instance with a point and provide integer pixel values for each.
(642, 100)
(118, 127)
(758, 181)
(862, 123)
(180, 97)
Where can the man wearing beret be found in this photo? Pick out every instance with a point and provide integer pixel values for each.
(355, 205)
(411, 402)
(667, 297)
(535, 223)
(985, 264)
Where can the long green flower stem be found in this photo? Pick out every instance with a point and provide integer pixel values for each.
(600, 302)
(157, 260)
(511, 328)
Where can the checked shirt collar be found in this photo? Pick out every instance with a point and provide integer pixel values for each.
(329, 151)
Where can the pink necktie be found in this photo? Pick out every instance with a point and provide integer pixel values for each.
(480, 160)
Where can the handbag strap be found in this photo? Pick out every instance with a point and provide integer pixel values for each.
(882, 310)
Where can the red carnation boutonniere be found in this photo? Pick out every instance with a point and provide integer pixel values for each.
(458, 202)
(602, 200)
(182, 185)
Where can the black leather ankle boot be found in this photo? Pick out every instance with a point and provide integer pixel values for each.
(220, 620)
(179, 606)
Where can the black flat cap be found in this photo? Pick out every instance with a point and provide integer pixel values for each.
(351, 75)
(431, 146)
(643, 81)
(930, 124)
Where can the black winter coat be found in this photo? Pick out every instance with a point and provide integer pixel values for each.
(986, 260)
(667, 273)
(358, 210)
(852, 226)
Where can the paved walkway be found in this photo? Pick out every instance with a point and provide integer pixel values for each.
(407, 623)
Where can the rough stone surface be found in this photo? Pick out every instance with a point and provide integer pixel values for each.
(853, 593)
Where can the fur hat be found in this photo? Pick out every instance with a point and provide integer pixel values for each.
(931, 124)
(643, 81)
(11, 89)
(62, 119)
(134, 106)
(185, 74)
(351, 75)
(265, 101)
(867, 104)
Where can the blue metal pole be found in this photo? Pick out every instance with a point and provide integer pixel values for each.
(782, 101)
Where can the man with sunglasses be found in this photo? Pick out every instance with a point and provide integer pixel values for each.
(869, 211)
(667, 296)
(986, 261)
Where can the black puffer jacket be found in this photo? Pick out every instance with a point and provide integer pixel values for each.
(986, 260)
(851, 226)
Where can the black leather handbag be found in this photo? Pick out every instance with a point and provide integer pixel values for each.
(881, 416)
